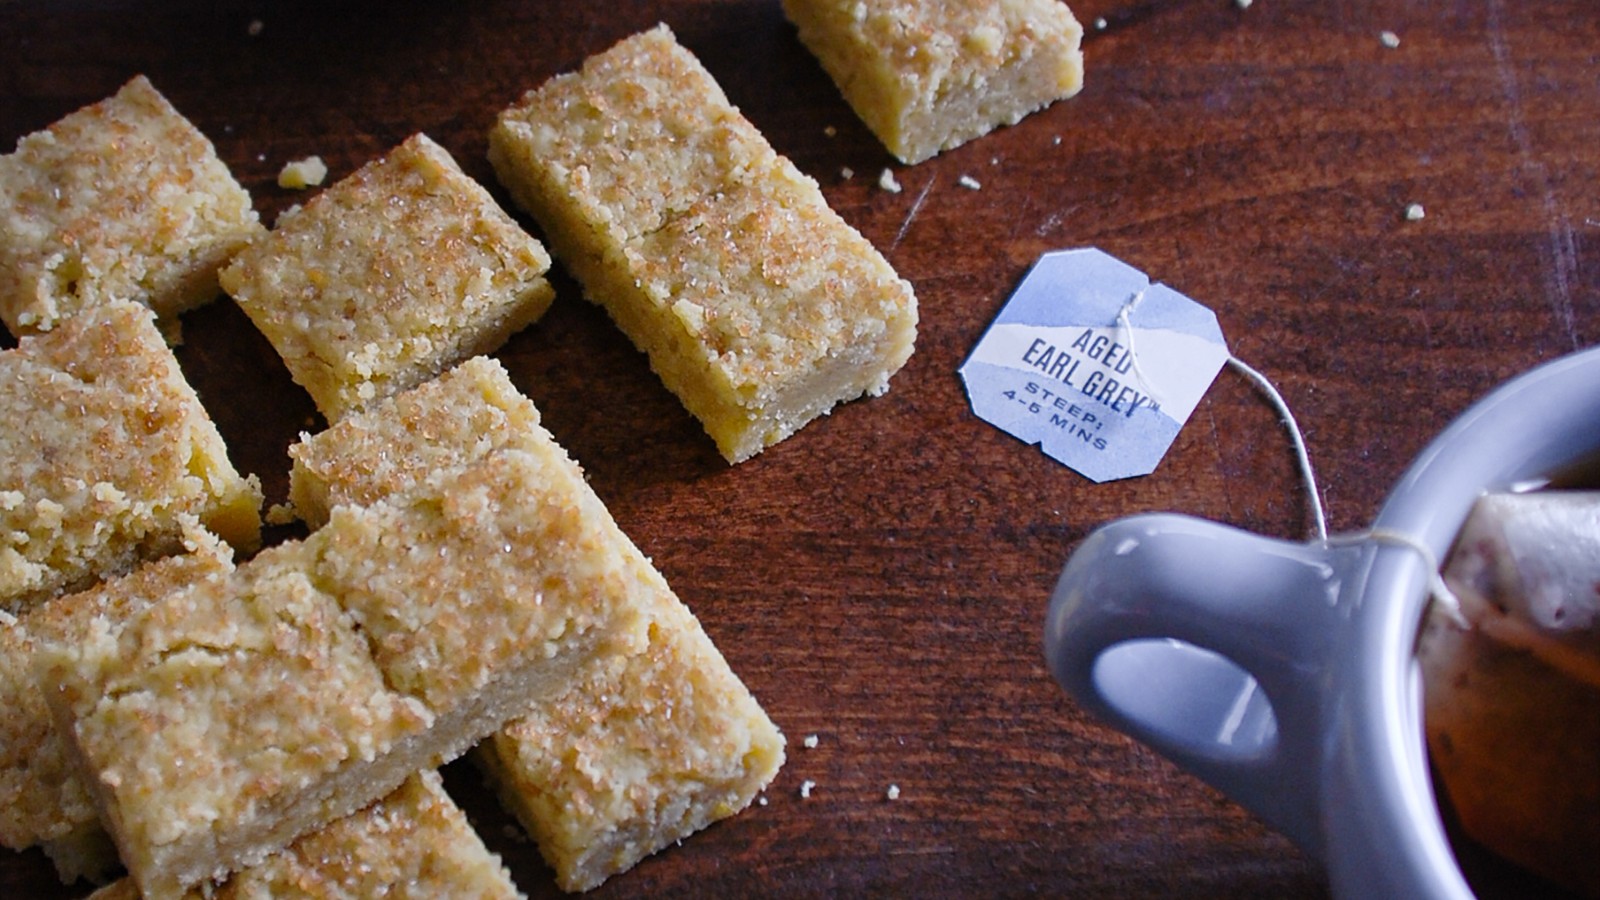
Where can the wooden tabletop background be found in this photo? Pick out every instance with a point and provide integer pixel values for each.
(880, 579)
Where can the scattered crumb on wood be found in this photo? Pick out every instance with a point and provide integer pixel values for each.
(805, 788)
(893, 793)
(970, 183)
(1415, 212)
(303, 173)
(810, 741)
(888, 182)
(1389, 39)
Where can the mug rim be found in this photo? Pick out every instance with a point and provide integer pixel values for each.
(1523, 431)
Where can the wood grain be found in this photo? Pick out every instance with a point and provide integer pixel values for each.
(880, 579)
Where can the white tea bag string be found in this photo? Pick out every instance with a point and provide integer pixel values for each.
(1438, 588)
(1302, 456)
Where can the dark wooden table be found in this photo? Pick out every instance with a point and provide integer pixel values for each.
(880, 579)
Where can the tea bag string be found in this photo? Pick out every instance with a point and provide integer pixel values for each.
(1438, 588)
(1302, 456)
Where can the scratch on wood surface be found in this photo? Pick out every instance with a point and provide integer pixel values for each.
(916, 207)
(1562, 264)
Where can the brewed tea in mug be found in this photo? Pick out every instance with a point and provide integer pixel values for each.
(1512, 692)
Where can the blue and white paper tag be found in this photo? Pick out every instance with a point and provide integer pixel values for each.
(1095, 364)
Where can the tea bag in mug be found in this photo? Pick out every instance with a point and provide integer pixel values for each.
(1512, 686)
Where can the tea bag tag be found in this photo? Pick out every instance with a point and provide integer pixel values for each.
(1095, 364)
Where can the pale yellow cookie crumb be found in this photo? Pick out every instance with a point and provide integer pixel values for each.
(303, 173)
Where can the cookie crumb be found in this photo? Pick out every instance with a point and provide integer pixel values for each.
(1415, 212)
(893, 793)
(888, 183)
(830, 131)
(282, 514)
(303, 173)
(810, 741)
(1243, 4)
(805, 788)
(1389, 39)
(847, 173)
(970, 183)
(1100, 23)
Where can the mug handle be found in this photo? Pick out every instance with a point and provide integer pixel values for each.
(1209, 644)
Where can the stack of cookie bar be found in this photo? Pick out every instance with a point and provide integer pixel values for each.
(237, 719)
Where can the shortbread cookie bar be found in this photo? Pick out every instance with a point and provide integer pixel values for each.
(122, 199)
(415, 843)
(42, 801)
(640, 752)
(321, 674)
(389, 277)
(395, 446)
(929, 75)
(105, 453)
(758, 306)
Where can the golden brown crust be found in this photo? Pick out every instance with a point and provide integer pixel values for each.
(396, 445)
(233, 716)
(41, 796)
(107, 453)
(758, 306)
(389, 277)
(639, 751)
(124, 199)
(929, 75)
(414, 843)
(199, 714)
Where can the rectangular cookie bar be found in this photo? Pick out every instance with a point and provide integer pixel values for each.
(105, 455)
(415, 842)
(230, 717)
(42, 800)
(397, 444)
(388, 277)
(123, 199)
(641, 751)
(758, 306)
(929, 75)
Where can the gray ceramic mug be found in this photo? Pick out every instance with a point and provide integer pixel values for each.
(1283, 673)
